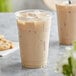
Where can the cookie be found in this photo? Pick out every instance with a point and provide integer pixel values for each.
(5, 44)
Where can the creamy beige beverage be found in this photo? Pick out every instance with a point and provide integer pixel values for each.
(66, 14)
(34, 32)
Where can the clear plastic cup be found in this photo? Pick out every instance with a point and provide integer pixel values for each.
(66, 15)
(34, 33)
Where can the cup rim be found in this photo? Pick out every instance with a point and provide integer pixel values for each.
(48, 13)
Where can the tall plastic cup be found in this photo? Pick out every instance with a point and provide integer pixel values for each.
(34, 33)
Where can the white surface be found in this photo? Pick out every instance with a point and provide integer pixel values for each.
(6, 52)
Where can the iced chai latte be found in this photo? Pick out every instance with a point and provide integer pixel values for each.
(34, 32)
(66, 13)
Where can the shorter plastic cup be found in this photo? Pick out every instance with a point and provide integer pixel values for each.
(66, 15)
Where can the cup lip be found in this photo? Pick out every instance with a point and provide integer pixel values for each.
(17, 13)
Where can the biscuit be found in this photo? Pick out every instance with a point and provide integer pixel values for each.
(5, 44)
